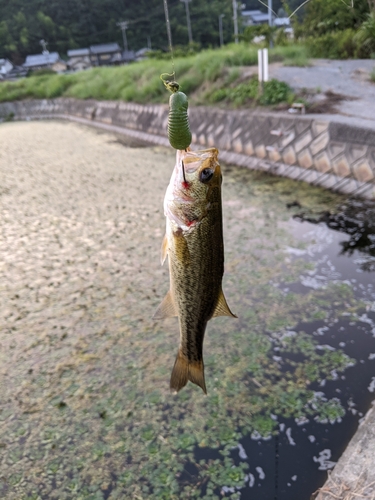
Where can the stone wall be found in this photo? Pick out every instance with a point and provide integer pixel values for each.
(331, 154)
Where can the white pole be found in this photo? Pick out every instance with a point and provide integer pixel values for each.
(260, 65)
(265, 65)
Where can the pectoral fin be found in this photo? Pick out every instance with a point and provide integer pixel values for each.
(164, 249)
(166, 309)
(222, 308)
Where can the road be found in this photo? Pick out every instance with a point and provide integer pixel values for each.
(350, 78)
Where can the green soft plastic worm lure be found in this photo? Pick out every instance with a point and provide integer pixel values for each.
(179, 134)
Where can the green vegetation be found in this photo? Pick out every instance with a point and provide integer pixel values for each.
(274, 92)
(78, 23)
(336, 45)
(75, 24)
(336, 30)
(208, 76)
(366, 34)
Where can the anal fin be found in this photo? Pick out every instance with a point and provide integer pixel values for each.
(166, 309)
(222, 308)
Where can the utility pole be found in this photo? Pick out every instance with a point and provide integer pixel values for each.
(124, 26)
(186, 2)
(44, 44)
(270, 21)
(45, 52)
(221, 29)
(235, 21)
(270, 13)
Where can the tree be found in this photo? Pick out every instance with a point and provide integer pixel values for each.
(366, 34)
(326, 16)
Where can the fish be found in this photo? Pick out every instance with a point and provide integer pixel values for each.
(194, 245)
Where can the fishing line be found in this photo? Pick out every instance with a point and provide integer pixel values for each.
(302, 4)
(260, 1)
(169, 32)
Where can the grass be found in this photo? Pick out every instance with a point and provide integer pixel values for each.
(198, 75)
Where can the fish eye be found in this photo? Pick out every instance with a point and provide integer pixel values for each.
(206, 175)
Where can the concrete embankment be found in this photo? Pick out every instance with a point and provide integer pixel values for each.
(333, 154)
(354, 475)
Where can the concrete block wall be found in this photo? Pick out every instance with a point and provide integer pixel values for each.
(335, 155)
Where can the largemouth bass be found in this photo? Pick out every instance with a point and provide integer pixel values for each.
(195, 249)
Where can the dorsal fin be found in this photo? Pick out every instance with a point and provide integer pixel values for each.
(166, 309)
(164, 249)
(222, 308)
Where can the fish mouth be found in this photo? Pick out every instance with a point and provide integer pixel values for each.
(192, 160)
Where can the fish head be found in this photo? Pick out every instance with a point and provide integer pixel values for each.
(194, 188)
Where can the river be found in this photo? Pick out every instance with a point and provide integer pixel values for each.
(86, 410)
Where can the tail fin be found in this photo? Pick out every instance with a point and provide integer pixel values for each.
(184, 371)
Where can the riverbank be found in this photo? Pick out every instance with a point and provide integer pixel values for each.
(354, 475)
(319, 150)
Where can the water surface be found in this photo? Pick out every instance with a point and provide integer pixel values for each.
(86, 411)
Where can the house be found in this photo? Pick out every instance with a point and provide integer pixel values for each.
(16, 72)
(104, 54)
(79, 59)
(50, 60)
(142, 53)
(128, 56)
(252, 17)
(5, 68)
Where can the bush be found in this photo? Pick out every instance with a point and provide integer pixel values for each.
(200, 76)
(365, 36)
(41, 72)
(274, 92)
(335, 45)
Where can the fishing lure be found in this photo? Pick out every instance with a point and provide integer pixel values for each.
(179, 134)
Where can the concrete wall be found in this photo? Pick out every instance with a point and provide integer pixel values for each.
(332, 154)
(354, 475)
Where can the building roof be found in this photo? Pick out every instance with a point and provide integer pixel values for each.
(41, 59)
(247, 13)
(5, 66)
(105, 48)
(142, 52)
(281, 21)
(256, 16)
(78, 52)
